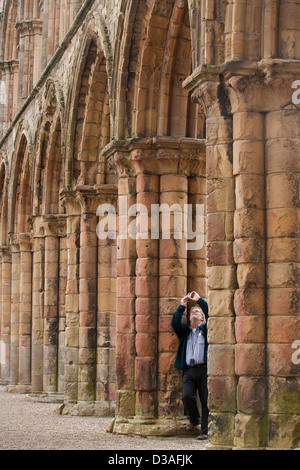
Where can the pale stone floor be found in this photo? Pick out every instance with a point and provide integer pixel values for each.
(32, 425)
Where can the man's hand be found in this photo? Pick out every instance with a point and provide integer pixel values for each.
(195, 296)
(184, 300)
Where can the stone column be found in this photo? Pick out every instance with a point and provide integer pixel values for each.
(196, 255)
(172, 287)
(72, 300)
(221, 270)
(266, 228)
(87, 301)
(63, 269)
(146, 304)
(125, 309)
(54, 227)
(25, 313)
(106, 310)
(37, 26)
(249, 255)
(25, 77)
(152, 278)
(15, 71)
(15, 311)
(38, 292)
(5, 313)
(212, 96)
(51, 297)
(282, 128)
(6, 79)
(81, 301)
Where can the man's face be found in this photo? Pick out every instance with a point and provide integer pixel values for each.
(196, 316)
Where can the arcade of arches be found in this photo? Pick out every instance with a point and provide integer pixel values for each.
(152, 102)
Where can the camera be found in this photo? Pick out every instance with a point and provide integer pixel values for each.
(190, 295)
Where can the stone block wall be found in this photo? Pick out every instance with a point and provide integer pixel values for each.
(131, 104)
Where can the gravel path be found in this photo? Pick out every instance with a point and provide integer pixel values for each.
(32, 425)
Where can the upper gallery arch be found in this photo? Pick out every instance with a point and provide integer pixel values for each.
(156, 51)
(20, 185)
(88, 128)
(49, 168)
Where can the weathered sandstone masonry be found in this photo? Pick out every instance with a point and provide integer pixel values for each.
(131, 104)
(254, 165)
(149, 273)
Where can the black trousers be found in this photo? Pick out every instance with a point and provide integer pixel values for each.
(193, 379)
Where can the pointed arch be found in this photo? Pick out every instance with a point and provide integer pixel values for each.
(49, 169)
(22, 190)
(89, 118)
(150, 98)
(10, 33)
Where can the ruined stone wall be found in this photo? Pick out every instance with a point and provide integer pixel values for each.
(129, 104)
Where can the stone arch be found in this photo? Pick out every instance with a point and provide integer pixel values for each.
(160, 159)
(19, 232)
(20, 189)
(49, 170)
(89, 104)
(158, 57)
(89, 383)
(49, 246)
(10, 33)
(9, 69)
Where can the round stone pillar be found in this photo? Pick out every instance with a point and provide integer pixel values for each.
(38, 288)
(87, 306)
(25, 313)
(5, 293)
(173, 282)
(125, 301)
(151, 279)
(146, 303)
(106, 306)
(51, 313)
(282, 131)
(249, 255)
(221, 268)
(73, 211)
(89, 390)
(15, 309)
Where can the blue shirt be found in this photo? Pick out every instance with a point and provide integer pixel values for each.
(195, 346)
(182, 330)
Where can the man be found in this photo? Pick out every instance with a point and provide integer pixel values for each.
(191, 359)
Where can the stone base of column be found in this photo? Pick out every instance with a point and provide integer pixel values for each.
(160, 427)
(21, 389)
(97, 408)
(4, 382)
(49, 397)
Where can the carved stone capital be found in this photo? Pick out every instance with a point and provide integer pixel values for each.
(5, 254)
(49, 225)
(24, 241)
(158, 155)
(27, 27)
(69, 201)
(237, 86)
(203, 84)
(85, 199)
